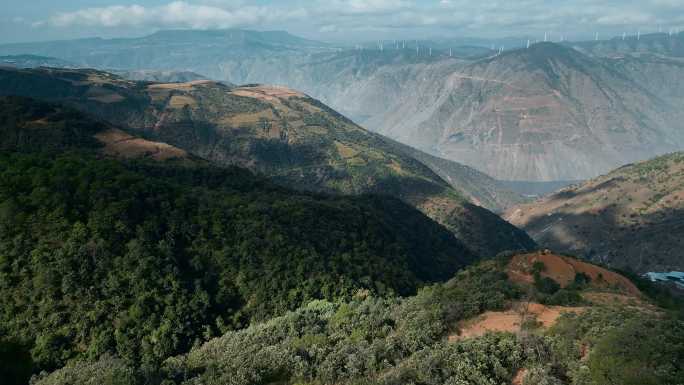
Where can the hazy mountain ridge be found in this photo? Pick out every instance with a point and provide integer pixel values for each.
(628, 218)
(546, 113)
(32, 61)
(664, 44)
(230, 55)
(541, 114)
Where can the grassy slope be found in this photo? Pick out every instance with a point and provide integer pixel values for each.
(282, 134)
(629, 218)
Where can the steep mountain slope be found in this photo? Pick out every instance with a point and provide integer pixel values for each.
(145, 258)
(281, 133)
(629, 218)
(430, 339)
(548, 113)
(545, 113)
(27, 125)
(478, 187)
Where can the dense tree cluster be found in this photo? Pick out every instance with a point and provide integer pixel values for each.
(398, 341)
(144, 260)
(355, 341)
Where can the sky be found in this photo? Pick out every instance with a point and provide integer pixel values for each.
(339, 20)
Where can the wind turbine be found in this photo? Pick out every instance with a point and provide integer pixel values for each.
(639, 35)
(596, 37)
(528, 43)
(624, 35)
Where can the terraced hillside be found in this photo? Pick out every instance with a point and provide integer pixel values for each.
(283, 134)
(628, 218)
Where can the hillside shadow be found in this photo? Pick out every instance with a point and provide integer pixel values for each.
(656, 243)
(569, 194)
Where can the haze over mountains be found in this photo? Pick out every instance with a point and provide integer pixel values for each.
(548, 113)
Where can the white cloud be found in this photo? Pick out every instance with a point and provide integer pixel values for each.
(497, 17)
(175, 14)
(364, 6)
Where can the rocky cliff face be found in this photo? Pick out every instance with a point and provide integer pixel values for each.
(541, 114)
(547, 113)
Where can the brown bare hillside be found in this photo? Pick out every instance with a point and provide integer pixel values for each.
(632, 217)
(512, 320)
(603, 288)
(563, 270)
(121, 144)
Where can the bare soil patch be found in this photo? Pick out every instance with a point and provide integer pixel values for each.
(563, 270)
(519, 377)
(179, 86)
(267, 93)
(120, 144)
(512, 320)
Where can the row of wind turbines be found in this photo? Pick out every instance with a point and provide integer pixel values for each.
(383, 45)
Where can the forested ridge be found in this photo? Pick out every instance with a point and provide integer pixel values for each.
(143, 259)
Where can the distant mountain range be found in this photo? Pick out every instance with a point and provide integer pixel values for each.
(160, 76)
(32, 61)
(553, 112)
(664, 44)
